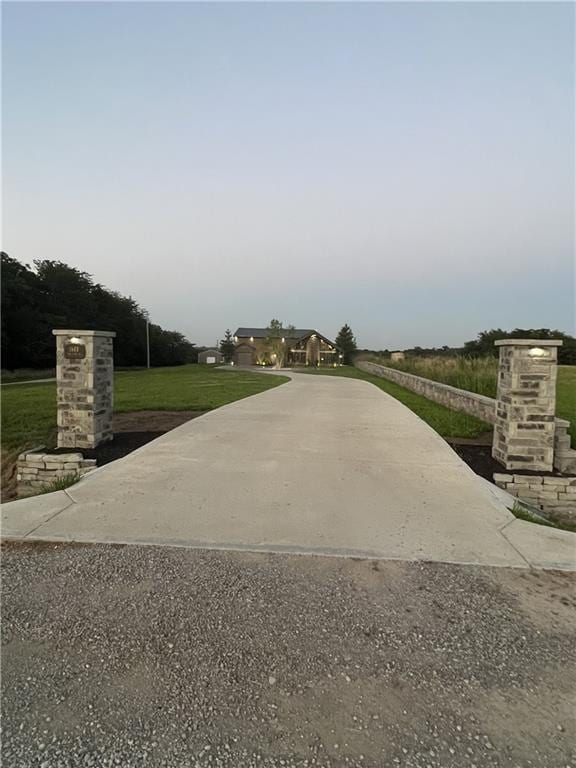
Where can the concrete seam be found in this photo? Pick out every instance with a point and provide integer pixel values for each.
(515, 548)
(47, 520)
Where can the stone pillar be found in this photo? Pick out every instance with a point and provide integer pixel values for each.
(85, 374)
(526, 404)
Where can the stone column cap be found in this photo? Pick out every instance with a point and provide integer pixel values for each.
(528, 343)
(66, 332)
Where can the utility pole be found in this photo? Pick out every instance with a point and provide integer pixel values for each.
(147, 343)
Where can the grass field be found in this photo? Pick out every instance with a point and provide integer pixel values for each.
(29, 411)
(446, 422)
(480, 375)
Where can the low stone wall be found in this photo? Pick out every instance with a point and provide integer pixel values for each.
(553, 495)
(37, 469)
(480, 406)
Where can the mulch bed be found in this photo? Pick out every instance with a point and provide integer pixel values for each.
(478, 455)
(132, 431)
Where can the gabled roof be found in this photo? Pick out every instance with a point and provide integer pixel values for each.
(262, 333)
(298, 334)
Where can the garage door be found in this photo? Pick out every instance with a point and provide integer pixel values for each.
(244, 358)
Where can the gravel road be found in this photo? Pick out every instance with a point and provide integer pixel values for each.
(145, 656)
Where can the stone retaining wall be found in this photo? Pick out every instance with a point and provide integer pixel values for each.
(36, 469)
(554, 495)
(480, 406)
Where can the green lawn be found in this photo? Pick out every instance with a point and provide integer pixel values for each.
(29, 411)
(566, 397)
(446, 422)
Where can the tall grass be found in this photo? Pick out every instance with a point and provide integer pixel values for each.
(478, 375)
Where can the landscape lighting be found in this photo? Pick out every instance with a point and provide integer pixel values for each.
(537, 352)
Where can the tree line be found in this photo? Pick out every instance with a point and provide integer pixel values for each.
(54, 295)
(483, 345)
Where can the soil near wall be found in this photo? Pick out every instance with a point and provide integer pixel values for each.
(477, 453)
(132, 431)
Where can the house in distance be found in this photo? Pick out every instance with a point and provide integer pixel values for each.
(304, 346)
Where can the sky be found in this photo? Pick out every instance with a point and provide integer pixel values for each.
(407, 168)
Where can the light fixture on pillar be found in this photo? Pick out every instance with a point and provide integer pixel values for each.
(538, 352)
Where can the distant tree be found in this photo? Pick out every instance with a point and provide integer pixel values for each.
(483, 345)
(346, 344)
(276, 342)
(227, 346)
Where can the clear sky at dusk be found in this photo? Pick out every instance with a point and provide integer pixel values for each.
(405, 168)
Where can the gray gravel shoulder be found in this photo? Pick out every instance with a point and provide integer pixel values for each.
(145, 656)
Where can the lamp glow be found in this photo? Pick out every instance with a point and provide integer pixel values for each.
(537, 352)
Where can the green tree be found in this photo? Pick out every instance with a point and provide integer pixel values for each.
(277, 336)
(227, 346)
(26, 330)
(483, 345)
(346, 344)
(55, 295)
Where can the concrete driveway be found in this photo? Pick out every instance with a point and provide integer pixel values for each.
(320, 464)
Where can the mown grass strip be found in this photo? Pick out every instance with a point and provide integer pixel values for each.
(446, 422)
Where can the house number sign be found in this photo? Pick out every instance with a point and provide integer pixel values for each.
(74, 351)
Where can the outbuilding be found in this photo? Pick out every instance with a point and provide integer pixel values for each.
(210, 357)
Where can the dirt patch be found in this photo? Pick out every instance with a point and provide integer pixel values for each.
(152, 421)
(546, 598)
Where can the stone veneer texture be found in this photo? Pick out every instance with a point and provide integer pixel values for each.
(85, 390)
(551, 494)
(525, 405)
(37, 470)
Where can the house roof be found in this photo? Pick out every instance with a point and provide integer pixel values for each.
(295, 335)
(262, 333)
